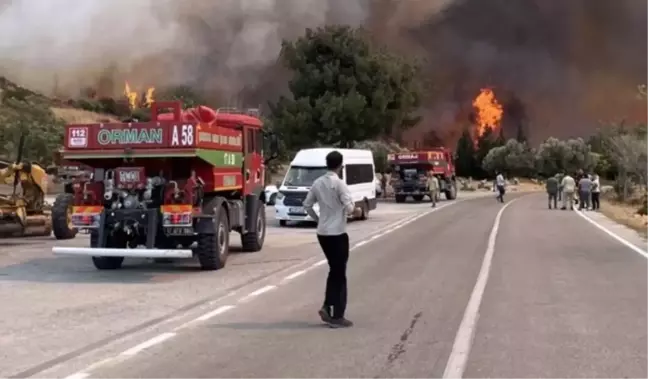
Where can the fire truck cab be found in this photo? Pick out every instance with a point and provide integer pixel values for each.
(410, 172)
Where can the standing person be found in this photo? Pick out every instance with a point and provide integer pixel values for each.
(584, 192)
(552, 191)
(560, 177)
(568, 185)
(596, 193)
(500, 183)
(433, 186)
(335, 204)
(383, 184)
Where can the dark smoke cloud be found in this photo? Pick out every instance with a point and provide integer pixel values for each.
(559, 66)
(220, 45)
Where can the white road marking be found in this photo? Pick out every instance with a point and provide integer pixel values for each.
(612, 234)
(357, 245)
(215, 312)
(256, 293)
(165, 336)
(464, 338)
(293, 275)
(78, 375)
(145, 345)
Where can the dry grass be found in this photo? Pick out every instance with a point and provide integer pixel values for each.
(80, 116)
(625, 214)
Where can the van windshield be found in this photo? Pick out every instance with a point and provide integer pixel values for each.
(301, 176)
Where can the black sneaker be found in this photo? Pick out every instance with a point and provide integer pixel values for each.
(325, 314)
(340, 323)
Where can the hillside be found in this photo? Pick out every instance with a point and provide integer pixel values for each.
(42, 118)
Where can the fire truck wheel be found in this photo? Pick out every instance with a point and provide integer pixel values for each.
(418, 197)
(61, 217)
(104, 263)
(213, 249)
(451, 194)
(253, 242)
(400, 198)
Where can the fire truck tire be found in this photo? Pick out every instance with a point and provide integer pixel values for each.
(61, 213)
(451, 194)
(213, 248)
(104, 263)
(253, 241)
(418, 197)
(400, 198)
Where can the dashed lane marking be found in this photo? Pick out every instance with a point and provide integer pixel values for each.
(218, 311)
(147, 344)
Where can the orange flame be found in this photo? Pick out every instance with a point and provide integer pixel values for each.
(489, 111)
(132, 96)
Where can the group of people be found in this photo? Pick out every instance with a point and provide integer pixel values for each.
(582, 189)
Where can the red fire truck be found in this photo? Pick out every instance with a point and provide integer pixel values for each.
(410, 173)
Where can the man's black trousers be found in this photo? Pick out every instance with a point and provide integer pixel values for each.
(336, 249)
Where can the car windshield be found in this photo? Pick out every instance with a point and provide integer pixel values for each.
(300, 176)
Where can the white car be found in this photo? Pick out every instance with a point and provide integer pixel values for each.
(271, 192)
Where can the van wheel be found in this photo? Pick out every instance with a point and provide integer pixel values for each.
(283, 222)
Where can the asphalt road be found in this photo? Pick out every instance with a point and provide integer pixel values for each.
(61, 314)
(470, 289)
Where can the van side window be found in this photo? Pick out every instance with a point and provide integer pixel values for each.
(359, 173)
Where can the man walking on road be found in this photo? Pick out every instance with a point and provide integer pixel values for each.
(568, 185)
(433, 187)
(552, 191)
(335, 204)
(500, 183)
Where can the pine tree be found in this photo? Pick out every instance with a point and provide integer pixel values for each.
(465, 156)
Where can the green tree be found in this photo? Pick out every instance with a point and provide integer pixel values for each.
(44, 132)
(344, 90)
(514, 158)
(465, 156)
(569, 156)
(485, 142)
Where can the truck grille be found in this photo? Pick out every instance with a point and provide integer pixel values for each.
(294, 199)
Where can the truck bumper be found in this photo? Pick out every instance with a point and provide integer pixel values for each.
(134, 253)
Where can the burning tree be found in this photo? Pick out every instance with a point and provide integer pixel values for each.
(488, 113)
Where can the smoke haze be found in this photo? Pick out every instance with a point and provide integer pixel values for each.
(559, 67)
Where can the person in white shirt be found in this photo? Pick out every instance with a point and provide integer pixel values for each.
(568, 185)
(596, 192)
(335, 204)
(500, 183)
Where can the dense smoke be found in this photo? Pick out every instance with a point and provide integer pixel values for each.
(558, 66)
(223, 45)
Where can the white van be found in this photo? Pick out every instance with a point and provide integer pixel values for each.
(310, 164)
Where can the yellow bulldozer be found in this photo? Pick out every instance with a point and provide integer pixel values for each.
(23, 213)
